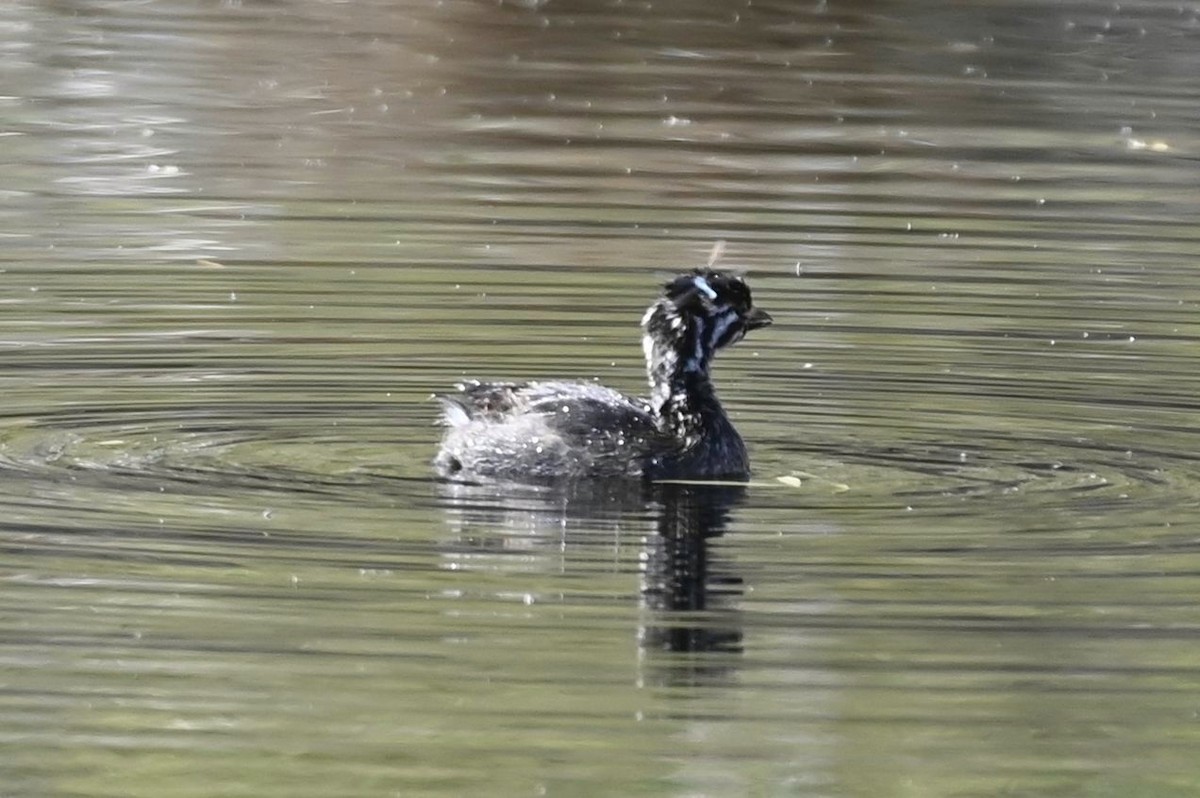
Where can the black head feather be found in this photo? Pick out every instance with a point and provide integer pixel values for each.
(699, 313)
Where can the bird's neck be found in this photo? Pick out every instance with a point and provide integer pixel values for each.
(682, 396)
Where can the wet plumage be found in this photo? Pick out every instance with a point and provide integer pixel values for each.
(562, 430)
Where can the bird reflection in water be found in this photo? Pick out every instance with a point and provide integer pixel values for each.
(688, 593)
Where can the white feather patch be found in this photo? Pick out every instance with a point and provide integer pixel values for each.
(724, 322)
(703, 285)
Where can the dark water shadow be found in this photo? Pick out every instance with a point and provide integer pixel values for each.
(687, 591)
(687, 584)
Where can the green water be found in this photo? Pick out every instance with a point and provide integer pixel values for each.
(241, 244)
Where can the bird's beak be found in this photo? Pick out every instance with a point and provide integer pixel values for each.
(757, 318)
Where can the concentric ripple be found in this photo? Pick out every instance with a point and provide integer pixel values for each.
(298, 449)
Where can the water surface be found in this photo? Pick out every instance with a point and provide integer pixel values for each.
(242, 243)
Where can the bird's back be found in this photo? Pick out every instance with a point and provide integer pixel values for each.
(544, 431)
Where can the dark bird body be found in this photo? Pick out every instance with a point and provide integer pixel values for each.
(540, 431)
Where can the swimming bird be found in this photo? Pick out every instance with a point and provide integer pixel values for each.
(556, 430)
